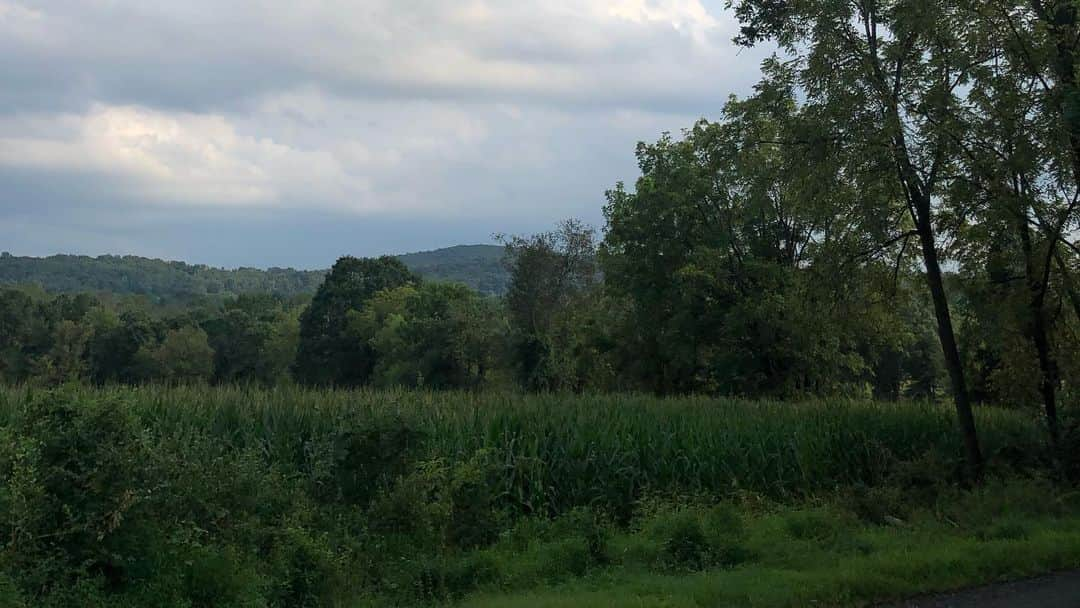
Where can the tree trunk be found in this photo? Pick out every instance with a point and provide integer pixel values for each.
(1062, 21)
(1037, 332)
(948, 340)
(1066, 280)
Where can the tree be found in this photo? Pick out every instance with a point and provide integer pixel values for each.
(66, 360)
(326, 354)
(254, 340)
(184, 356)
(886, 75)
(115, 341)
(1008, 185)
(738, 254)
(437, 335)
(17, 319)
(547, 271)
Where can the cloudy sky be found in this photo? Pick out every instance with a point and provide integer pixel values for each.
(285, 132)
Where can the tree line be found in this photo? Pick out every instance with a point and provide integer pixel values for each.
(160, 280)
(478, 266)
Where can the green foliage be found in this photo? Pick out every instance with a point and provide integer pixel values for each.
(326, 353)
(478, 266)
(156, 278)
(549, 274)
(76, 479)
(734, 286)
(51, 340)
(183, 356)
(254, 340)
(225, 496)
(437, 335)
(692, 537)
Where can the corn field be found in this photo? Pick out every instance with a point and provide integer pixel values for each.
(561, 451)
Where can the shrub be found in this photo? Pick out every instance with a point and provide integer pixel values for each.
(369, 458)
(814, 525)
(877, 505)
(588, 525)
(564, 558)
(304, 570)
(215, 576)
(10, 596)
(452, 578)
(474, 520)
(75, 479)
(696, 537)
(1002, 530)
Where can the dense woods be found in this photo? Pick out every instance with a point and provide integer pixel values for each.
(478, 266)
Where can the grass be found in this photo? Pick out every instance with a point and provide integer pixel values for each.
(288, 497)
(850, 563)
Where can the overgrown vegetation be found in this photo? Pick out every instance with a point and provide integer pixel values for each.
(287, 497)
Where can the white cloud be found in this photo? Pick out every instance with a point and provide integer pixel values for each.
(618, 52)
(486, 109)
(176, 157)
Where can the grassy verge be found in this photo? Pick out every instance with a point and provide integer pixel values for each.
(820, 556)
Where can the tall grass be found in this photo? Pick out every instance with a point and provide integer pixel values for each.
(561, 451)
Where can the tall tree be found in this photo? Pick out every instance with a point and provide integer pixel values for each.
(184, 356)
(1009, 198)
(730, 250)
(327, 354)
(437, 335)
(886, 74)
(547, 270)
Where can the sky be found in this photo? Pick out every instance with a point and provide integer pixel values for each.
(284, 133)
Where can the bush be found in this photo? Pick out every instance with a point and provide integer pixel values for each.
(1003, 530)
(75, 483)
(368, 458)
(216, 577)
(588, 525)
(694, 537)
(449, 506)
(877, 505)
(304, 570)
(446, 579)
(813, 525)
(10, 597)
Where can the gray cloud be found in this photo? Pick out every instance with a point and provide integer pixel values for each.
(179, 119)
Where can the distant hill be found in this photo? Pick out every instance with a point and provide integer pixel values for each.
(478, 266)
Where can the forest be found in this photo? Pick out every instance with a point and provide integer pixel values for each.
(825, 348)
(171, 282)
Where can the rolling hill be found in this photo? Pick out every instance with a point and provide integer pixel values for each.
(478, 266)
